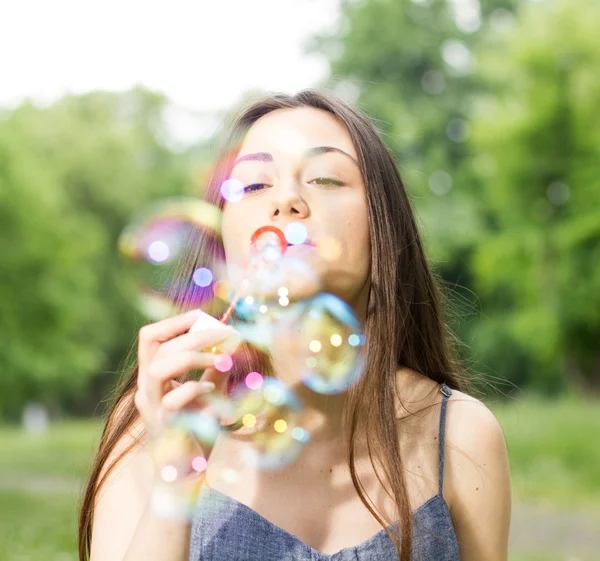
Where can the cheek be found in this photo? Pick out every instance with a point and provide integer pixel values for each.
(354, 235)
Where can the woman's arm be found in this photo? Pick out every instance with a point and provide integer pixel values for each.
(478, 480)
(124, 527)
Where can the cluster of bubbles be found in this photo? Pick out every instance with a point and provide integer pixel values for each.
(271, 298)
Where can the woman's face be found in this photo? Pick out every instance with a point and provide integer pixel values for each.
(299, 165)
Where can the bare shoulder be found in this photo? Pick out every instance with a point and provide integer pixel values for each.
(477, 478)
(475, 445)
(473, 431)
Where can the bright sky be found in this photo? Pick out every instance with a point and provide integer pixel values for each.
(202, 54)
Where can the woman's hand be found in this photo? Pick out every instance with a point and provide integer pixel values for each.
(166, 350)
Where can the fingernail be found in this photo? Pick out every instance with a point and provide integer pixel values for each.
(193, 313)
(207, 386)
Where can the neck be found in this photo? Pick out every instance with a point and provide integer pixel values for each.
(322, 415)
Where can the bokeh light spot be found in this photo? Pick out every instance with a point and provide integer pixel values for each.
(232, 190)
(354, 340)
(223, 363)
(199, 463)
(158, 251)
(254, 380)
(280, 426)
(329, 249)
(295, 233)
(311, 362)
(168, 473)
(202, 277)
(336, 339)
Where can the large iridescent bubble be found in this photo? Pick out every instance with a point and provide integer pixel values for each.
(155, 243)
(330, 340)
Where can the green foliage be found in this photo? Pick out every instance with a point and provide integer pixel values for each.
(495, 128)
(536, 133)
(71, 176)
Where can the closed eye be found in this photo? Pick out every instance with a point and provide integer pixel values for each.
(322, 181)
(254, 187)
(326, 181)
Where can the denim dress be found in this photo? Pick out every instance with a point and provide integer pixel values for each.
(224, 529)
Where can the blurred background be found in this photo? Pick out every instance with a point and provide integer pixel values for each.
(492, 108)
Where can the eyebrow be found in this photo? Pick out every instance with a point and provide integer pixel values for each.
(310, 153)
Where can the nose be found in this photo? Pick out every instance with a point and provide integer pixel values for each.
(287, 202)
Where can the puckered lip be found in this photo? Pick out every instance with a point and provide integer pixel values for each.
(307, 241)
(279, 233)
(309, 244)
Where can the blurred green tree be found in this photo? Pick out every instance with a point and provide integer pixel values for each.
(71, 176)
(480, 101)
(536, 146)
(411, 65)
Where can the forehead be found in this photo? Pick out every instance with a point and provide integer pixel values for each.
(293, 131)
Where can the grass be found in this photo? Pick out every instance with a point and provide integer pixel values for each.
(553, 450)
(38, 526)
(554, 461)
(64, 451)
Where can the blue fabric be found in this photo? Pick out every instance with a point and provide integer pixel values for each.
(226, 530)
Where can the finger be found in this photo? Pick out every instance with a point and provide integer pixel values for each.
(219, 379)
(163, 370)
(152, 335)
(199, 340)
(186, 394)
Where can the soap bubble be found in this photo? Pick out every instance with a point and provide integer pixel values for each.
(181, 463)
(158, 238)
(330, 340)
(269, 416)
(180, 451)
(271, 281)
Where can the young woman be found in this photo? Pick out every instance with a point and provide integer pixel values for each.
(405, 465)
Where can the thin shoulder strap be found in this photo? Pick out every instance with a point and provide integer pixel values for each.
(447, 392)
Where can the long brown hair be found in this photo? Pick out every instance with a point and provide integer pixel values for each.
(405, 313)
